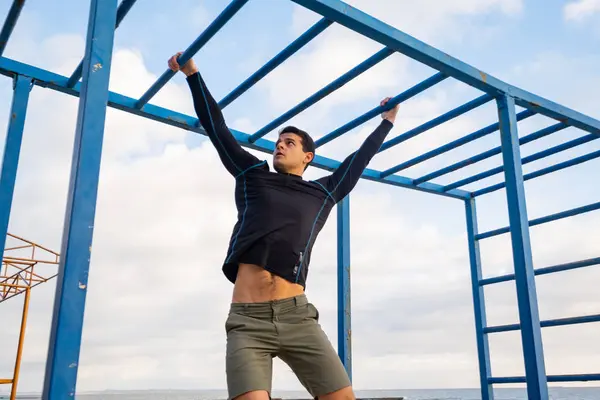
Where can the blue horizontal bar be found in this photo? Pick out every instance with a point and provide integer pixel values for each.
(368, 26)
(204, 37)
(453, 145)
(276, 61)
(535, 174)
(551, 378)
(490, 153)
(330, 88)
(10, 22)
(546, 324)
(437, 121)
(407, 94)
(526, 160)
(57, 82)
(543, 271)
(543, 220)
(122, 11)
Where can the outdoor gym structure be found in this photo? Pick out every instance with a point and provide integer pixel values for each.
(90, 80)
(24, 266)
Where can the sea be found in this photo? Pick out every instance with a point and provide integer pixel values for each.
(555, 393)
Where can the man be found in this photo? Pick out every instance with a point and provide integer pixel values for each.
(279, 218)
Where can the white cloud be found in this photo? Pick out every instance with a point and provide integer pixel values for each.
(580, 10)
(200, 17)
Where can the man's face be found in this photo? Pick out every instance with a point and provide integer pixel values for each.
(288, 155)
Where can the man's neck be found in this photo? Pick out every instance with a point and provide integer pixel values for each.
(292, 173)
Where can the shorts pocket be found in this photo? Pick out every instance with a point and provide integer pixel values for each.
(234, 321)
(313, 313)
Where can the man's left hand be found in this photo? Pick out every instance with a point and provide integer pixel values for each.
(391, 114)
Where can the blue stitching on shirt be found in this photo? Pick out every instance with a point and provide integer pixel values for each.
(324, 188)
(321, 210)
(245, 208)
(345, 173)
(310, 238)
(213, 125)
(241, 224)
(249, 168)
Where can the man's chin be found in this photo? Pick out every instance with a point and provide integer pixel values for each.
(278, 167)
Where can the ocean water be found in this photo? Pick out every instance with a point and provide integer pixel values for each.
(556, 393)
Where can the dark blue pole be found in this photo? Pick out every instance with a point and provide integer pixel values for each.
(205, 36)
(483, 348)
(344, 309)
(531, 333)
(122, 11)
(71, 288)
(276, 61)
(10, 22)
(12, 151)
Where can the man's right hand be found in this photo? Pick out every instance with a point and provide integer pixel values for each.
(188, 69)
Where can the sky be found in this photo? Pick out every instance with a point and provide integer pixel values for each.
(157, 300)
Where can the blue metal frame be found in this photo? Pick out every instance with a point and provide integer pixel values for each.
(452, 145)
(9, 24)
(12, 152)
(531, 334)
(122, 11)
(526, 160)
(536, 174)
(321, 94)
(209, 32)
(543, 220)
(58, 82)
(483, 347)
(544, 324)
(402, 97)
(343, 286)
(71, 288)
(473, 104)
(276, 61)
(544, 271)
(490, 153)
(105, 17)
(366, 25)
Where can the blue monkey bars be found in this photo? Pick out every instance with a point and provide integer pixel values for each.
(89, 82)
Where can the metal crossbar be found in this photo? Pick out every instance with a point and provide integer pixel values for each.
(544, 271)
(543, 220)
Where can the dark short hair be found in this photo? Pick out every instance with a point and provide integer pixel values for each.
(308, 144)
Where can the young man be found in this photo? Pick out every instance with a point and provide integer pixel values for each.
(279, 218)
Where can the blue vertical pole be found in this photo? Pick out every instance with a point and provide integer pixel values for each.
(483, 349)
(343, 284)
(531, 334)
(69, 303)
(12, 150)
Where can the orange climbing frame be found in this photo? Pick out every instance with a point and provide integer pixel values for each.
(19, 275)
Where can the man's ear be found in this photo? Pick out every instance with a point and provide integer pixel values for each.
(309, 157)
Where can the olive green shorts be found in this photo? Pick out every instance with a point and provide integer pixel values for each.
(288, 329)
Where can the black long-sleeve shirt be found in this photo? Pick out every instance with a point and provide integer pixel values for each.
(279, 215)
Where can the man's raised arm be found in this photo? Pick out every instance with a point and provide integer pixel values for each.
(345, 177)
(235, 159)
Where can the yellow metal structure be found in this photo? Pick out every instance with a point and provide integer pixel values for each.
(19, 275)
